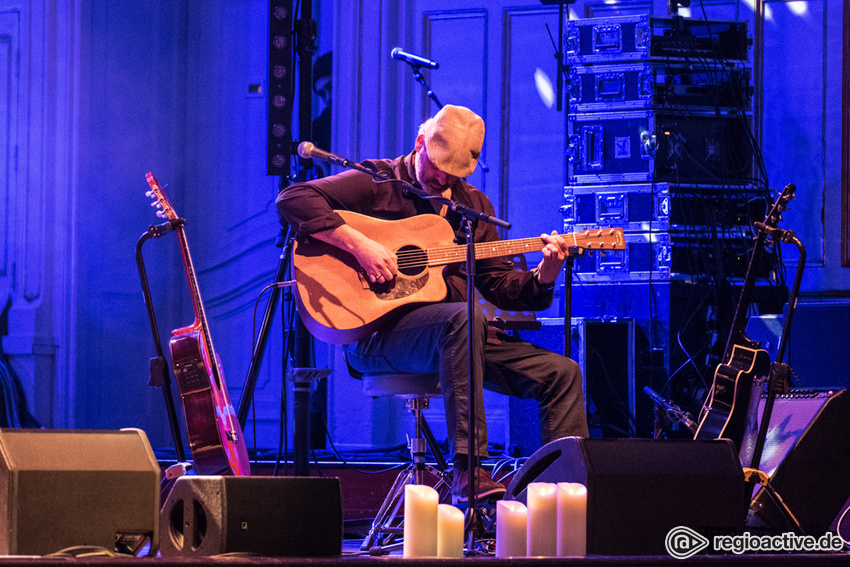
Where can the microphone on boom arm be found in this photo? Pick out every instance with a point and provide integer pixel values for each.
(415, 60)
(307, 150)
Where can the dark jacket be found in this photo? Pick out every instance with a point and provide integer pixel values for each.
(309, 207)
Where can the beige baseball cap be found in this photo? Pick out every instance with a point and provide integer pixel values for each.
(454, 138)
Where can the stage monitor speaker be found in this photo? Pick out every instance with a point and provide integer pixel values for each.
(640, 489)
(812, 478)
(67, 488)
(271, 516)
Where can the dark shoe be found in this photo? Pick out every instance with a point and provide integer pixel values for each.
(487, 487)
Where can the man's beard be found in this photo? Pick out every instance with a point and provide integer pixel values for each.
(433, 188)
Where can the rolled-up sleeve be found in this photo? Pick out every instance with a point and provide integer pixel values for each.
(311, 206)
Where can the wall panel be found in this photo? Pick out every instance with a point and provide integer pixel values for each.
(457, 40)
(9, 22)
(533, 131)
(794, 115)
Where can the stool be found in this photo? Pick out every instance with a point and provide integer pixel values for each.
(417, 389)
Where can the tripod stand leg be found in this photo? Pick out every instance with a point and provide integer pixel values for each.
(254, 369)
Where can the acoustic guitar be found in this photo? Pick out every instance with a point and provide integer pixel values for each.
(339, 304)
(215, 436)
(724, 414)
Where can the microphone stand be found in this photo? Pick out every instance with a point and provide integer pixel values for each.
(430, 93)
(421, 80)
(284, 241)
(671, 411)
(470, 216)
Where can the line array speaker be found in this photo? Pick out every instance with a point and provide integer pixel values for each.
(272, 516)
(640, 489)
(66, 488)
(281, 77)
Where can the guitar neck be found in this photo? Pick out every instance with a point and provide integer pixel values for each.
(197, 303)
(444, 255)
(737, 334)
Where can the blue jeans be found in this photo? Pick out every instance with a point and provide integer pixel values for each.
(433, 338)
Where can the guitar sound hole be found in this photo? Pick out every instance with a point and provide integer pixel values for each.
(412, 260)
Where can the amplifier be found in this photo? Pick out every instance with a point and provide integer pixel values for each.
(650, 145)
(659, 84)
(637, 207)
(809, 435)
(792, 414)
(629, 38)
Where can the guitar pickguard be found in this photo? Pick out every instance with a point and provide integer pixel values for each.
(399, 287)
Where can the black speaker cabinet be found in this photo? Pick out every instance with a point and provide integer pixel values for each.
(65, 488)
(272, 516)
(640, 489)
(812, 479)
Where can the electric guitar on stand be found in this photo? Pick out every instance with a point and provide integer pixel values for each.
(215, 436)
(724, 414)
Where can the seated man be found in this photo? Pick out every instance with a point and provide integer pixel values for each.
(433, 337)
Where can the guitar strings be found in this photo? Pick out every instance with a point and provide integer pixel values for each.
(421, 257)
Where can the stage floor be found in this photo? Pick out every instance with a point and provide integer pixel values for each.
(364, 485)
(348, 559)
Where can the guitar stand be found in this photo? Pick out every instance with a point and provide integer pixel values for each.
(778, 382)
(159, 373)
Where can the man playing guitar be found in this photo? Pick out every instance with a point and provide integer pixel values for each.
(433, 337)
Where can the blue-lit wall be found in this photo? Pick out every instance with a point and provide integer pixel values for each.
(94, 94)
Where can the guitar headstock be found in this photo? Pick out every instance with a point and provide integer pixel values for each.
(161, 201)
(775, 215)
(601, 239)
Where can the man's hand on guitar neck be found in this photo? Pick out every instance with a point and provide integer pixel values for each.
(378, 262)
(555, 253)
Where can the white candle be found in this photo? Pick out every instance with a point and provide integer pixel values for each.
(542, 498)
(420, 521)
(449, 531)
(572, 519)
(511, 525)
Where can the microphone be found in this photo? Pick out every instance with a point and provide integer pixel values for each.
(415, 60)
(307, 150)
(674, 413)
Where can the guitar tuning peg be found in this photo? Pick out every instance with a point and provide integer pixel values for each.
(155, 204)
(160, 214)
(148, 193)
